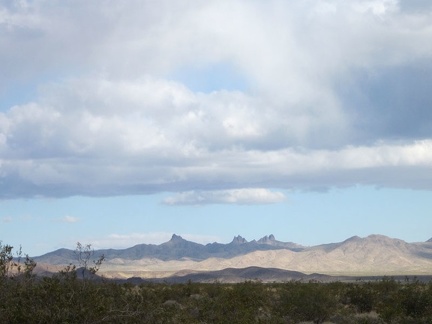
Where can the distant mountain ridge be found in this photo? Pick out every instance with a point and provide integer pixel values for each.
(372, 255)
(178, 248)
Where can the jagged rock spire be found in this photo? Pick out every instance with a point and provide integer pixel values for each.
(175, 237)
(267, 239)
(239, 240)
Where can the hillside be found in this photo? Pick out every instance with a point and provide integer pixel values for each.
(236, 275)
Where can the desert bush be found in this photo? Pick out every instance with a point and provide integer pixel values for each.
(70, 298)
(416, 301)
(309, 302)
(11, 265)
(234, 303)
(361, 296)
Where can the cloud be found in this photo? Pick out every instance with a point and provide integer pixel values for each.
(68, 219)
(417, 6)
(327, 93)
(6, 219)
(234, 196)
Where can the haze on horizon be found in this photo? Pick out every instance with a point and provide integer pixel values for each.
(125, 122)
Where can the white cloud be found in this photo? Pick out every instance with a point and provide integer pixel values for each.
(377, 7)
(68, 219)
(234, 196)
(326, 103)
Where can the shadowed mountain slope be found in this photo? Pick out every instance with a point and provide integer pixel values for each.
(233, 275)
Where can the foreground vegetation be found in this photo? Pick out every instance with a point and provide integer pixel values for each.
(71, 296)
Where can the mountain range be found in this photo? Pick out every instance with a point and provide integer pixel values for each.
(178, 248)
(375, 255)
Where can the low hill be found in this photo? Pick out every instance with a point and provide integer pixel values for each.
(235, 275)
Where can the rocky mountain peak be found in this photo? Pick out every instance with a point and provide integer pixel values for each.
(382, 239)
(238, 240)
(176, 238)
(353, 239)
(267, 239)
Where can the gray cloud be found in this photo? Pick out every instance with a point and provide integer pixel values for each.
(391, 102)
(336, 94)
(416, 6)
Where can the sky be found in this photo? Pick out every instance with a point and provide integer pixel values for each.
(124, 122)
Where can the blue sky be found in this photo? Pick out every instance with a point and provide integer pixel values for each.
(123, 123)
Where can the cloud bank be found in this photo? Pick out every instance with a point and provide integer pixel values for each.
(235, 196)
(322, 94)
